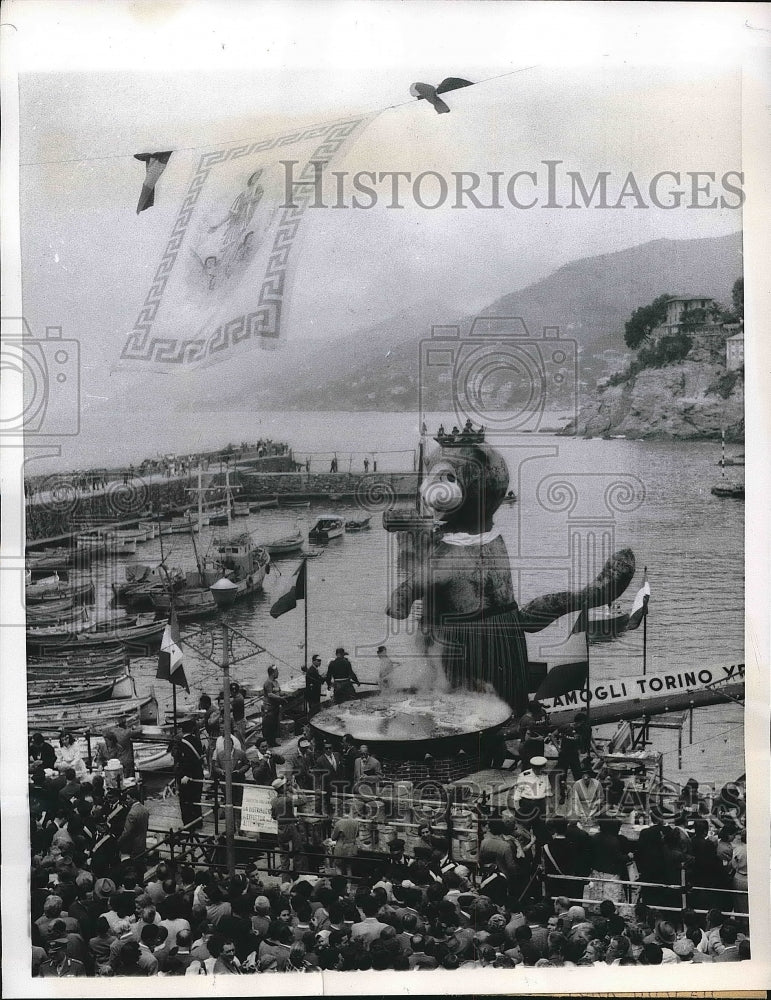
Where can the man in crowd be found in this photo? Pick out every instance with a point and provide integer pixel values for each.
(133, 839)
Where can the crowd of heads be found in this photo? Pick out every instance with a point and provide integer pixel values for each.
(177, 920)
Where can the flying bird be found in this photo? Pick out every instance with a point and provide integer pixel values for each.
(155, 164)
(426, 92)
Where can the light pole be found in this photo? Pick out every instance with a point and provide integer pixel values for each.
(224, 594)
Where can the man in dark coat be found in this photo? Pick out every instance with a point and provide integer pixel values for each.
(313, 682)
(187, 751)
(133, 839)
(341, 677)
(561, 855)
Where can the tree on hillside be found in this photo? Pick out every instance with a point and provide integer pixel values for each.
(737, 298)
(644, 320)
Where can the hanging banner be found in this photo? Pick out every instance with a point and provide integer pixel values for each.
(224, 278)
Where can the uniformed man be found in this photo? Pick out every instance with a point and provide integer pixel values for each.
(341, 677)
(187, 752)
(531, 790)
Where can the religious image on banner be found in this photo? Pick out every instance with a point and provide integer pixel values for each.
(225, 274)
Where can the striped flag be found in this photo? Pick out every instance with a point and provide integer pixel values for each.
(567, 667)
(155, 164)
(640, 606)
(170, 666)
(288, 601)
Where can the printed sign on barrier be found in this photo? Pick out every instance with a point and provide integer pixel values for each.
(255, 810)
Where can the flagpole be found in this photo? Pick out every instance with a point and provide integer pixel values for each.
(305, 603)
(645, 631)
(171, 611)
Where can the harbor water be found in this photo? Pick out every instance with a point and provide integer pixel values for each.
(653, 497)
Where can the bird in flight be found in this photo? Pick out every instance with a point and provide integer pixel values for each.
(427, 92)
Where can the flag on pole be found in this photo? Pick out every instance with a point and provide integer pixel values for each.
(567, 668)
(170, 666)
(155, 164)
(288, 601)
(640, 606)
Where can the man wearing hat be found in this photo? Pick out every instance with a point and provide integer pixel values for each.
(290, 841)
(664, 936)
(59, 964)
(341, 677)
(398, 864)
(531, 790)
(313, 682)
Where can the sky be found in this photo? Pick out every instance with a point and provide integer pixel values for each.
(641, 88)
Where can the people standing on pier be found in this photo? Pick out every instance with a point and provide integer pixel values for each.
(341, 677)
(366, 465)
(313, 682)
(272, 700)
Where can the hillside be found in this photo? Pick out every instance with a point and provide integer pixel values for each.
(589, 299)
(694, 399)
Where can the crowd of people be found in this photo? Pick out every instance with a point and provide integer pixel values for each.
(545, 890)
(176, 920)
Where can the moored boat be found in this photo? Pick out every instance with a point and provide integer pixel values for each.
(286, 545)
(142, 631)
(733, 491)
(238, 558)
(262, 504)
(358, 524)
(327, 527)
(606, 623)
(94, 716)
(241, 508)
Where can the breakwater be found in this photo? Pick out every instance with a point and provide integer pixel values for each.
(64, 509)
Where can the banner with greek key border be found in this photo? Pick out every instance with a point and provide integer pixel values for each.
(223, 280)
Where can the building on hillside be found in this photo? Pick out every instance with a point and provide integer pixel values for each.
(680, 304)
(734, 351)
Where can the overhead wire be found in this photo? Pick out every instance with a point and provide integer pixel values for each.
(232, 142)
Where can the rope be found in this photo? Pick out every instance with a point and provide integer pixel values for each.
(231, 142)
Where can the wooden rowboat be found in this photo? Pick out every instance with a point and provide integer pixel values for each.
(285, 546)
(95, 716)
